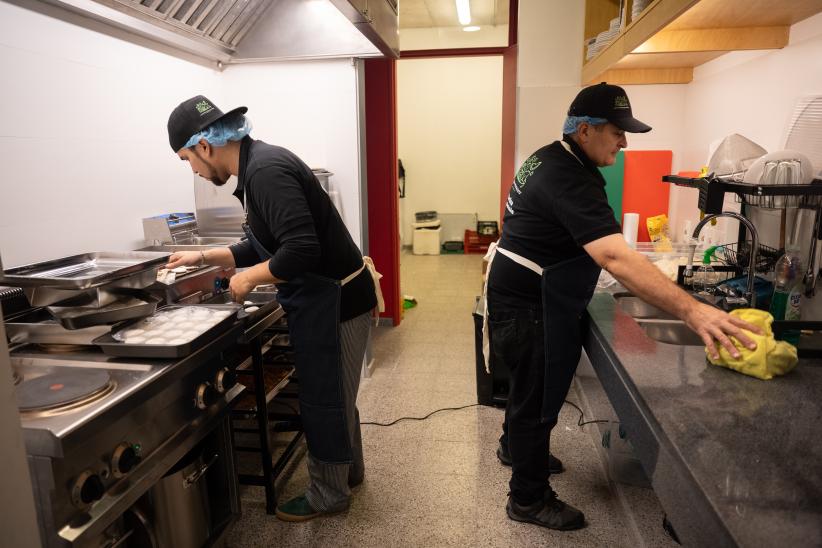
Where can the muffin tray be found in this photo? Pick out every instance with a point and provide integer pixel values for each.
(112, 343)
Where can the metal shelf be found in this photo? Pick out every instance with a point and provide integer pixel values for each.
(712, 193)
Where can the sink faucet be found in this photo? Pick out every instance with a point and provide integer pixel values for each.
(749, 293)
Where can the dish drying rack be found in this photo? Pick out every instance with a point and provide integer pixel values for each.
(712, 192)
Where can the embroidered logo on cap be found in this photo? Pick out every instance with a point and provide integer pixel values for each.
(621, 101)
(204, 107)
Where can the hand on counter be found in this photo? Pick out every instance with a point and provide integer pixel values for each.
(712, 324)
(184, 258)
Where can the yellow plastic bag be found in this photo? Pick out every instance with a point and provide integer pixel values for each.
(658, 232)
(771, 357)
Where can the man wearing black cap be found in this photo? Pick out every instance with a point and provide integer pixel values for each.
(558, 233)
(295, 238)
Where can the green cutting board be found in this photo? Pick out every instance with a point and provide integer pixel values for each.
(614, 182)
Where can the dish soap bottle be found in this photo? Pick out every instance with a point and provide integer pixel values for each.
(705, 278)
(787, 295)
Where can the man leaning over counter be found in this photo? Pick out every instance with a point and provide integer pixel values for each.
(295, 238)
(558, 233)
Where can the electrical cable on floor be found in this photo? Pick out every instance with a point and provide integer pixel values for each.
(580, 422)
(392, 423)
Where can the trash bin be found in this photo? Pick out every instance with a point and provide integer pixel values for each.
(492, 388)
(426, 237)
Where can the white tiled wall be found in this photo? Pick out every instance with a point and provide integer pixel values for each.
(83, 143)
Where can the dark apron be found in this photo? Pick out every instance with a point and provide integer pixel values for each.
(312, 304)
(567, 288)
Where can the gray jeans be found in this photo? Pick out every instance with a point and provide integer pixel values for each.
(329, 489)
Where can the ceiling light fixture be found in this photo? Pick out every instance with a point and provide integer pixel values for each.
(471, 29)
(464, 12)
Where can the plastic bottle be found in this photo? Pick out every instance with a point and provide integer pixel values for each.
(704, 279)
(787, 295)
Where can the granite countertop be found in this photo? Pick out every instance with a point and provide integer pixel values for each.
(734, 460)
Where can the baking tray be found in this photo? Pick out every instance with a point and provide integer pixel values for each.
(111, 346)
(37, 326)
(75, 314)
(85, 270)
(266, 300)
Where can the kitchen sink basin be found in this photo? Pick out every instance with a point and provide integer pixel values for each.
(671, 332)
(639, 309)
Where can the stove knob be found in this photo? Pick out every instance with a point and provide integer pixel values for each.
(124, 459)
(224, 283)
(87, 489)
(206, 396)
(225, 380)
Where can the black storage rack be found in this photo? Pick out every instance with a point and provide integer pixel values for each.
(712, 192)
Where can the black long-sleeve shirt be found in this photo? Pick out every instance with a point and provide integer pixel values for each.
(294, 219)
(556, 205)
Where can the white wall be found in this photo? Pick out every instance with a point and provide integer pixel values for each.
(84, 146)
(449, 115)
(309, 108)
(453, 37)
(84, 143)
(750, 93)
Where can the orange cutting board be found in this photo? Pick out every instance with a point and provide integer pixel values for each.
(643, 191)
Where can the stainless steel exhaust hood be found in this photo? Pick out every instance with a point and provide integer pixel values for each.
(241, 31)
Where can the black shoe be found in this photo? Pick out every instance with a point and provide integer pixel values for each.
(551, 513)
(554, 464)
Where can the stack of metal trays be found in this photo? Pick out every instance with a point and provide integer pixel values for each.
(94, 273)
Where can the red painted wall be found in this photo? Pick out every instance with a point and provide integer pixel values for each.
(381, 170)
(509, 124)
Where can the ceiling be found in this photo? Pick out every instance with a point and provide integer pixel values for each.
(443, 13)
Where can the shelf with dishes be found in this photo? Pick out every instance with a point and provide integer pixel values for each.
(661, 41)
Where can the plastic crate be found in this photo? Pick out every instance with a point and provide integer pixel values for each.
(477, 243)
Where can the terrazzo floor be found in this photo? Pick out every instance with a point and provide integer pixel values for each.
(438, 482)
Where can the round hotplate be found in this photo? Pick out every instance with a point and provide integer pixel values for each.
(61, 389)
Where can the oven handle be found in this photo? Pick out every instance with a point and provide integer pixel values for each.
(195, 476)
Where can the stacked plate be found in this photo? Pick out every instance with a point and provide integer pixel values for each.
(637, 8)
(595, 45)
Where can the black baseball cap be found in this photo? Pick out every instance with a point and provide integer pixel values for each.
(193, 116)
(609, 102)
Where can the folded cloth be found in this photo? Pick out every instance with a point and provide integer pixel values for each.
(771, 357)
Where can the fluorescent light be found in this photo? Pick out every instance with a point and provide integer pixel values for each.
(464, 12)
(471, 29)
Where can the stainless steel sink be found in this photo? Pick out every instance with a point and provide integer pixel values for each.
(671, 332)
(639, 309)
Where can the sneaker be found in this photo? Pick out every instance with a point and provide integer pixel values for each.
(296, 509)
(554, 464)
(550, 512)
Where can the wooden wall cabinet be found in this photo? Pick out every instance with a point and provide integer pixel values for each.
(671, 37)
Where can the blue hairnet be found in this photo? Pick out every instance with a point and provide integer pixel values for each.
(222, 131)
(573, 122)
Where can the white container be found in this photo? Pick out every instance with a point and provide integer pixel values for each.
(630, 228)
(427, 241)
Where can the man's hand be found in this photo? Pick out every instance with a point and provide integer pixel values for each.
(644, 280)
(184, 258)
(713, 324)
(241, 285)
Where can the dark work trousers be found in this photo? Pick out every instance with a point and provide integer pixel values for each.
(517, 342)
